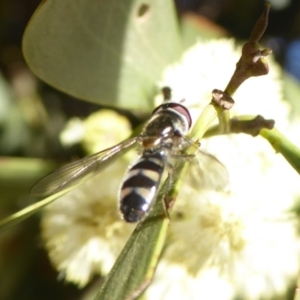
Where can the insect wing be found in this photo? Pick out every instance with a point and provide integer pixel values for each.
(207, 172)
(79, 171)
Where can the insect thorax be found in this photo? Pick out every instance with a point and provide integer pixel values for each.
(165, 128)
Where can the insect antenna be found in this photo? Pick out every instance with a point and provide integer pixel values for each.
(167, 93)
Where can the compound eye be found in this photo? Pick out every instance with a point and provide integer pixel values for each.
(180, 109)
(183, 111)
(160, 107)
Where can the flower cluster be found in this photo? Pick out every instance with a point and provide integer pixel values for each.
(242, 241)
(238, 242)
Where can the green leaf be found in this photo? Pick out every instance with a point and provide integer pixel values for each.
(282, 145)
(106, 52)
(20, 173)
(28, 211)
(135, 266)
(17, 175)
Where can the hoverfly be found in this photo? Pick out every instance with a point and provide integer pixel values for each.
(162, 138)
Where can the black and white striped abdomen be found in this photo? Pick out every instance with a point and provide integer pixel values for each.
(140, 186)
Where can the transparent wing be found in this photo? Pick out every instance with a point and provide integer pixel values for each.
(207, 172)
(75, 173)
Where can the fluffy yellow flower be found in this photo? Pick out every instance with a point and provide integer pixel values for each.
(101, 129)
(246, 234)
(240, 242)
(83, 231)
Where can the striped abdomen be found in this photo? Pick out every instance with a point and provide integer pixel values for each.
(140, 186)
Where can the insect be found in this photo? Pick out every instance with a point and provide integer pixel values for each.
(162, 138)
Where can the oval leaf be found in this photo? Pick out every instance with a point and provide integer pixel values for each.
(106, 52)
(135, 266)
